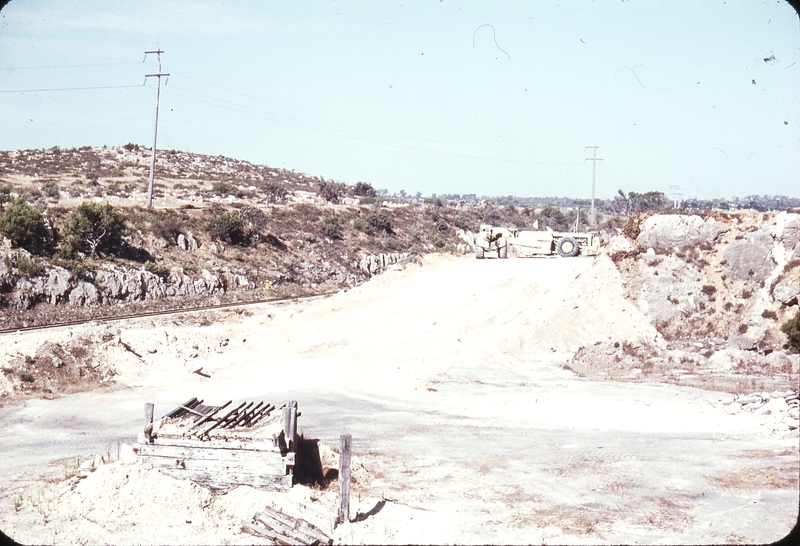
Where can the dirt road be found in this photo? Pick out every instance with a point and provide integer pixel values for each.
(448, 375)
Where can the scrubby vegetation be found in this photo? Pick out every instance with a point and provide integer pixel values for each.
(23, 224)
(27, 266)
(229, 227)
(792, 330)
(92, 228)
(330, 228)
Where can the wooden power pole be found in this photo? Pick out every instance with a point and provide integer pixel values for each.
(158, 75)
(594, 159)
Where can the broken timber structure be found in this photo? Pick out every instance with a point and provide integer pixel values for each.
(221, 447)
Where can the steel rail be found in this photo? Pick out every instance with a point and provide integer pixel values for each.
(161, 313)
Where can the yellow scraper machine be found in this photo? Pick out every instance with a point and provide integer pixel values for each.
(497, 241)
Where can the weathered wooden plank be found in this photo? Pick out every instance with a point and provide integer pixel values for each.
(252, 466)
(293, 425)
(243, 417)
(231, 423)
(220, 421)
(258, 444)
(190, 410)
(311, 531)
(269, 533)
(190, 403)
(260, 414)
(284, 529)
(149, 408)
(213, 454)
(210, 415)
(345, 441)
(269, 482)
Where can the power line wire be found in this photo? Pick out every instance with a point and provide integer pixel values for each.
(63, 66)
(336, 132)
(66, 89)
(351, 123)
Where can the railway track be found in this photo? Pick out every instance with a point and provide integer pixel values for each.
(162, 312)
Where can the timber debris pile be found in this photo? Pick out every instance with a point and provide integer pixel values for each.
(222, 448)
(284, 529)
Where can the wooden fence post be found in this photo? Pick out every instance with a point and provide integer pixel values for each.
(345, 441)
(290, 431)
(148, 421)
(290, 425)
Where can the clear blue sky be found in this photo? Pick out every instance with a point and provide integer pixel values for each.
(424, 95)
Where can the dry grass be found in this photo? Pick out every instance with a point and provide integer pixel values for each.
(670, 514)
(771, 477)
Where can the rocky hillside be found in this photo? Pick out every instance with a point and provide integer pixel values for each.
(717, 288)
(301, 234)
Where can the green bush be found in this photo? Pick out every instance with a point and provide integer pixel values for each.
(5, 195)
(92, 228)
(437, 240)
(330, 191)
(223, 188)
(367, 200)
(50, 189)
(28, 267)
(364, 189)
(254, 216)
(156, 269)
(461, 221)
(330, 228)
(275, 192)
(229, 228)
(24, 225)
(792, 330)
(376, 222)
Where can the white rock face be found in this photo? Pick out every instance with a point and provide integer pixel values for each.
(672, 231)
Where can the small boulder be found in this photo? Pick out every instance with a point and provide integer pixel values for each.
(126, 454)
(191, 242)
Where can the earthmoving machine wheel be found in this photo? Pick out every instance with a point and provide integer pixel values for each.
(478, 252)
(502, 252)
(568, 247)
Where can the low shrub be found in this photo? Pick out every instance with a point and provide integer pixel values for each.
(254, 216)
(377, 222)
(223, 188)
(331, 191)
(24, 225)
(5, 195)
(168, 228)
(461, 222)
(91, 228)
(364, 189)
(28, 267)
(275, 192)
(50, 189)
(229, 228)
(156, 269)
(437, 240)
(330, 228)
(792, 330)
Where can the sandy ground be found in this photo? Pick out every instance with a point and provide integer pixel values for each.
(448, 375)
